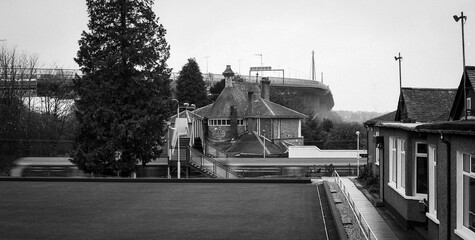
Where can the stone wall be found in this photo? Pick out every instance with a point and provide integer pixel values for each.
(289, 128)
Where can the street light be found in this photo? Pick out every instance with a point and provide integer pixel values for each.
(464, 19)
(168, 148)
(358, 153)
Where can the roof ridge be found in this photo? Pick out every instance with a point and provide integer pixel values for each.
(284, 107)
(427, 89)
(270, 109)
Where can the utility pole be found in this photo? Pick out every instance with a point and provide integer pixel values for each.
(464, 19)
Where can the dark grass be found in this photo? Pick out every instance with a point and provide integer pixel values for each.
(125, 210)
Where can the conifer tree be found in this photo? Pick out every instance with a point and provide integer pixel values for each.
(190, 86)
(124, 92)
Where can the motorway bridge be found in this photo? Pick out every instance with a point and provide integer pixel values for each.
(45, 81)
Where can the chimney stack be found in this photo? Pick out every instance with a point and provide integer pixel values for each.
(250, 124)
(228, 75)
(265, 88)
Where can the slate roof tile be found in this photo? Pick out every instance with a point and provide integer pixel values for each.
(426, 104)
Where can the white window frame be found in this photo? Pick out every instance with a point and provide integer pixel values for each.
(376, 155)
(401, 165)
(461, 230)
(426, 155)
(433, 183)
(397, 159)
(392, 161)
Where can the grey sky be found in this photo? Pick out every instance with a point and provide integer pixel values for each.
(354, 41)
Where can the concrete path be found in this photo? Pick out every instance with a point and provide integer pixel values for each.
(376, 222)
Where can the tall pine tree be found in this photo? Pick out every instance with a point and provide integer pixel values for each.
(190, 87)
(124, 93)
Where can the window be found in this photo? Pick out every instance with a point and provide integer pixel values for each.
(433, 183)
(421, 169)
(469, 103)
(393, 160)
(378, 147)
(397, 164)
(465, 195)
(219, 122)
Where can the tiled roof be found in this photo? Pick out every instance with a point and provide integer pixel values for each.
(425, 104)
(202, 111)
(470, 70)
(263, 108)
(237, 96)
(388, 117)
(231, 96)
(248, 144)
(459, 102)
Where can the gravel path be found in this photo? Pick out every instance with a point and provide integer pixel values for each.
(350, 223)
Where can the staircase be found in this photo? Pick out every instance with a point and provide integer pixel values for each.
(201, 163)
(209, 166)
(184, 142)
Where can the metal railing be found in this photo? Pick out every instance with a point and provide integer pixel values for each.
(210, 165)
(365, 228)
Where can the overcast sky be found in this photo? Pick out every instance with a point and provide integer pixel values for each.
(354, 41)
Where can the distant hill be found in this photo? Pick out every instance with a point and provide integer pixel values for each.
(358, 116)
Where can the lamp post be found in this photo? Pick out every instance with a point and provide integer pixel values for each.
(358, 153)
(464, 19)
(168, 148)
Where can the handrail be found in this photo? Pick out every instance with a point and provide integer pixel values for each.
(218, 169)
(366, 229)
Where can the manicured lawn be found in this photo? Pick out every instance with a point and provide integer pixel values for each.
(121, 210)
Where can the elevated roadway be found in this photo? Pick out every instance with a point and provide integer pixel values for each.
(289, 162)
